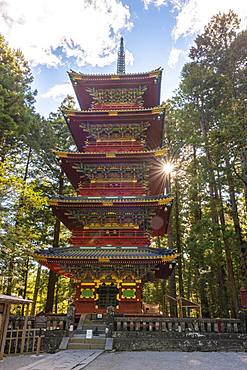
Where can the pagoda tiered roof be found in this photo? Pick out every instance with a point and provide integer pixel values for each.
(115, 200)
(80, 167)
(69, 261)
(151, 120)
(118, 174)
(148, 81)
(130, 253)
(119, 155)
(78, 213)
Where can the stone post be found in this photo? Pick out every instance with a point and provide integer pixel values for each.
(110, 321)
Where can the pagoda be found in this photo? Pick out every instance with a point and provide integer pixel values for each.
(121, 205)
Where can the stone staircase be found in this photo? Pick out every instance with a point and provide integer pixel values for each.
(78, 339)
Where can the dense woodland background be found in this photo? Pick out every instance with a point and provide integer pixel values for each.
(206, 139)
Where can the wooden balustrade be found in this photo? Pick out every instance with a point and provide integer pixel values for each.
(179, 325)
(113, 233)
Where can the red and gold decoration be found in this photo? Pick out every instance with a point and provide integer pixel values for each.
(117, 173)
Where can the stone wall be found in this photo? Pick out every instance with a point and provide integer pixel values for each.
(184, 342)
(52, 340)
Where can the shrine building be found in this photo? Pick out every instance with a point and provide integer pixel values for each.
(117, 174)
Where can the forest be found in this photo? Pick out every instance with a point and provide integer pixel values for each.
(206, 143)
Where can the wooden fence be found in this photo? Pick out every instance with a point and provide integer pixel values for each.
(24, 341)
(26, 335)
(179, 325)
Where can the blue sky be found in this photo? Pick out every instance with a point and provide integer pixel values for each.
(83, 35)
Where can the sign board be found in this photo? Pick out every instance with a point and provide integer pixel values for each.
(99, 315)
(1, 307)
(89, 334)
(40, 322)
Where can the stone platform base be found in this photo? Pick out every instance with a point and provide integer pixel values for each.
(182, 342)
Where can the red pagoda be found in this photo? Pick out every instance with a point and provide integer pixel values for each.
(121, 205)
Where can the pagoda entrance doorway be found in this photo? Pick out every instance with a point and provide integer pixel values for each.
(107, 295)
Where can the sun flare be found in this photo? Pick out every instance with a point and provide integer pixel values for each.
(168, 167)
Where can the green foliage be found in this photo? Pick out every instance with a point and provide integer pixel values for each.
(30, 174)
(16, 98)
(207, 128)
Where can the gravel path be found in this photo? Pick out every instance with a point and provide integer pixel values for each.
(136, 361)
(16, 362)
(63, 360)
(170, 361)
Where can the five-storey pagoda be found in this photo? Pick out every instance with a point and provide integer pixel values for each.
(117, 173)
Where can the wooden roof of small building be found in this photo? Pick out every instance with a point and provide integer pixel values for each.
(13, 300)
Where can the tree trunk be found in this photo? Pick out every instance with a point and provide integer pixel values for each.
(203, 296)
(243, 158)
(25, 283)
(229, 265)
(214, 200)
(10, 276)
(172, 279)
(52, 275)
(56, 295)
(179, 244)
(50, 292)
(36, 290)
(196, 219)
(12, 259)
(235, 218)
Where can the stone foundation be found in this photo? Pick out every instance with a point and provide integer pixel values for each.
(183, 342)
(52, 340)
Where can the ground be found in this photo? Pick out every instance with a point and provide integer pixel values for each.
(77, 360)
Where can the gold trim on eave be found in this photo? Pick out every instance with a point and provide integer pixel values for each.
(104, 259)
(156, 110)
(53, 202)
(110, 155)
(115, 77)
(61, 154)
(165, 201)
(160, 152)
(155, 73)
(170, 258)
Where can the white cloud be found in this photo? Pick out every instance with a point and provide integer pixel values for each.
(129, 58)
(174, 56)
(87, 30)
(193, 15)
(59, 91)
(157, 3)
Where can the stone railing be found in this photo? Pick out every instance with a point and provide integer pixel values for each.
(154, 324)
(48, 322)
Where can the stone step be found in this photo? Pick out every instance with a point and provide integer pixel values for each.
(84, 340)
(80, 342)
(83, 332)
(83, 335)
(94, 323)
(81, 346)
(99, 326)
